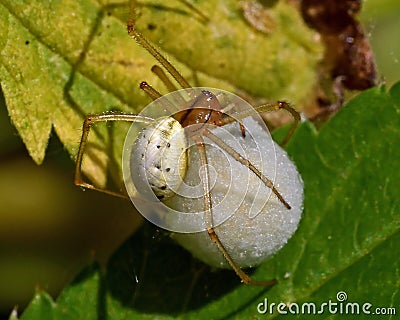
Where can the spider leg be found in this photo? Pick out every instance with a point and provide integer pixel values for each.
(139, 38)
(87, 125)
(164, 78)
(238, 157)
(154, 95)
(209, 220)
(226, 109)
(150, 91)
(159, 72)
(282, 105)
(242, 129)
(268, 107)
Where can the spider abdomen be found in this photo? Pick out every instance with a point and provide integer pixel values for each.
(163, 155)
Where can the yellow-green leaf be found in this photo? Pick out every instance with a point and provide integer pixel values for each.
(63, 60)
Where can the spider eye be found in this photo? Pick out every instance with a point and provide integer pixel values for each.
(210, 96)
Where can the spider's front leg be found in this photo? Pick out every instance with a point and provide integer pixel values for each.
(285, 106)
(268, 107)
(87, 125)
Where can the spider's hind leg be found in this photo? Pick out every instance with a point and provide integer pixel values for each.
(245, 278)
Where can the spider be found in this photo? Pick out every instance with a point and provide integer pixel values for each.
(201, 110)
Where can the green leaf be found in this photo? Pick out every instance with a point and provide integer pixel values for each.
(257, 63)
(41, 307)
(347, 240)
(61, 61)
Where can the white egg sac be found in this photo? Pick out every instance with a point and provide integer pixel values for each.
(248, 218)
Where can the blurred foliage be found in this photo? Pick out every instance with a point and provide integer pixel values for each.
(382, 21)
